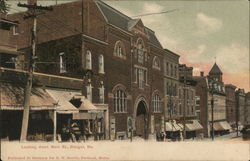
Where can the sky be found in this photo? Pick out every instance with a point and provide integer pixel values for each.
(200, 31)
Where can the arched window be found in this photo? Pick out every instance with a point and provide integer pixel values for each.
(156, 63)
(156, 103)
(101, 64)
(119, 50)
(89, 90)
(120, 101)
(101, 93)
(140, 51)
(88, 60)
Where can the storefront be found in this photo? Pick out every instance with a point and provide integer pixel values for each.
(173, 130)
(221, 128)
(77, 118)
(41, 110)
(191, 128)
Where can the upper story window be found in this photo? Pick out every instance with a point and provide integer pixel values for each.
(141, 78)
(120, 101)
(15, 30)
(119, 50)
(175, 71)
(62, 62)
(88, 60)
(156, 63)
(101, 93)
(171, 70)
(156, 103)
(89, 91)
(167, 68)
(140, 51)
(101, 63)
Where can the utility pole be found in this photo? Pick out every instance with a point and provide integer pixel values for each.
(184, 106)
(212, 106)
(33, 14)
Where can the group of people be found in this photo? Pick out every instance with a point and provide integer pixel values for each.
(72, 133)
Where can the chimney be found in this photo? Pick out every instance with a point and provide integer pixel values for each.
(202, 74)
(31, 2)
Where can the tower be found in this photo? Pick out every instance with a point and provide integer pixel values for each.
(216, 73)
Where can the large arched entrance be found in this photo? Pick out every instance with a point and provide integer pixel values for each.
(141, 120)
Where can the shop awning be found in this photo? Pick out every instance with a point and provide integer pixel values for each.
(221, 126)
(195, 125)
(12, 98)
(86, 116)
(63, 97)
(172, 126)
(225, 125)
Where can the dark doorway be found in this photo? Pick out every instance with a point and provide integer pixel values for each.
(141, 120)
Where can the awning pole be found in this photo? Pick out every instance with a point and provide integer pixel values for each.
(55, 122)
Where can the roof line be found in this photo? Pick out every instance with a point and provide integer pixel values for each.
(108, 6)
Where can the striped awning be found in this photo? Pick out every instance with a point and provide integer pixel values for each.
(12, 98)
(195, 125)
(172, 126)
(221, 126)
(63, 97)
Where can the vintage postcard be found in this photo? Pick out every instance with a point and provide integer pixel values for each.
(124, 80)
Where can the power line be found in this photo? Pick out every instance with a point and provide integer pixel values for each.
(156, 13)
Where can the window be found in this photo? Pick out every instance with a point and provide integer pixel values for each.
(171, 70)
(156, 63)
(156, 103)
(62, 63)
(197, 100)
(135, 74)
(180, 109)
(101, 93)
(120, 101)
(101, 64)
(141, 78)
(15, 30)
(89, 91)
(175, 71)
(140, 54)
(88, 60)
(167, 68)
(119, 50)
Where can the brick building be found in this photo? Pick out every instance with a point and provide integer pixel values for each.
(247, 109)
(231, 104)
(240, 107)
(124, 57)
(208, 88)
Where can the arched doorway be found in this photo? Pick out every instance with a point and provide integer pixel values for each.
(141, 120)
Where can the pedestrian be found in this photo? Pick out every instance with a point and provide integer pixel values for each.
(76, 131)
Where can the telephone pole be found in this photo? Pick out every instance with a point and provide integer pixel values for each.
(32, 14)
(185, 101)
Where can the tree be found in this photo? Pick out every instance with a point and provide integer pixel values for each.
(4, 7)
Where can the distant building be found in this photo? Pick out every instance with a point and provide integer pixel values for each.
(8, 49)
(231, 105)
(247, 113)
(240, 107)
(207, 88)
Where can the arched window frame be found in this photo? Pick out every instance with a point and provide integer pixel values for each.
(119, 50)
(156, 63)
(101, 64)
(88, 60)
(156, 103)
(120, 101)
(140, 51)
